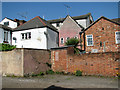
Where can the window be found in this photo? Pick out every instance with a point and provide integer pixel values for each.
(57, 24)
(6, 36)
(6, 23)
(76, 37)
(67, 38)
(62, 40)
(117, 37)
(26, 35)
(56, 56)
(89, 40)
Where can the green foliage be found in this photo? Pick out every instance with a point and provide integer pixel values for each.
(41, 74)
(78, 73)
(48, 64)
(50, 72)
(72, 41)
(76, 50)
(6, 47)
(59, 72)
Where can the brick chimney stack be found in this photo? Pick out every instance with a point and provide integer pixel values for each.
(20, 22)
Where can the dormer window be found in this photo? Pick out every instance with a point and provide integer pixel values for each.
(57, 24)
(6, 23)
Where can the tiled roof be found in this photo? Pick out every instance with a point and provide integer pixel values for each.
(116, 20)
(5, 27)
(75, 18)
(36, 22)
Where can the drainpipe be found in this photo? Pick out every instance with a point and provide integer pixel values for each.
(104, 46)
(80, 33)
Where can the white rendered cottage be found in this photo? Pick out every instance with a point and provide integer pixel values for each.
(36, 33)
(9, 23)
(5, 34)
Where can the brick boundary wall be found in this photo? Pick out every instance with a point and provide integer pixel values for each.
(103, 64)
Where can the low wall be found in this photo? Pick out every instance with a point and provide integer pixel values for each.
(24, 61)
(35, 61)
(104, 64)
(12, 62)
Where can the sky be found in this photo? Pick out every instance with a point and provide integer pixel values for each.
(56, 10)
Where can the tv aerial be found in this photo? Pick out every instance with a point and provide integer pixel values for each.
(23, 15)
(68, 7)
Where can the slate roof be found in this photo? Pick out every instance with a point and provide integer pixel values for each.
(5, 27)
(116, 20)
(75, 18)
(36, 22)
(99, 19)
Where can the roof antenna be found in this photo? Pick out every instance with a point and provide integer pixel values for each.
(22, 15)
(43, 17)
(67, 8)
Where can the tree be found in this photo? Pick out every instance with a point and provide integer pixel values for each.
(72, 41)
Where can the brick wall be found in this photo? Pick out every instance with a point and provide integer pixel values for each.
(105, 64)
(103, 31)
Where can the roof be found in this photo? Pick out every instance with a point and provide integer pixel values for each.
(75, 18)
(74, 21)
(99, 19)
(116, 20)
(36, 22)
(14, 19)
(5, 27)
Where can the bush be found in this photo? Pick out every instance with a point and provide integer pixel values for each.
(59, 72)
(72, 41)
(6, 47)
(48, 64)
(78, 73)
(50, 72)
(41, 74)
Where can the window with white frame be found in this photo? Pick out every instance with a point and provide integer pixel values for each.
(6, 23)
(76, 37)
(117, 37)
(26, 36)
(6, 36)
(67, 38)
(62, 40)
(89, 40)
(57, 24)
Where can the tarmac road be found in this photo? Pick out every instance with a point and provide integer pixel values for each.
(65, 81)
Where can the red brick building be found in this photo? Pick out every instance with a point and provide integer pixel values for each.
(102, 36)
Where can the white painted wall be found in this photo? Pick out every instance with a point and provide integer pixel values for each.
(52, 38)
(2, 35)
(55, 25)
(38, 39)
(88, 21)
(12, 24)
(82, 22)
